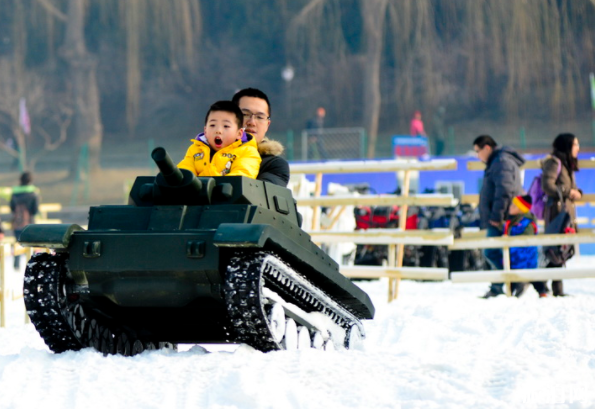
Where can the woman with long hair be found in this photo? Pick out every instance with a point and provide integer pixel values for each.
(559, 184)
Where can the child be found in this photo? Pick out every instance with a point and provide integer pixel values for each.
(522, 222)
(224, 149)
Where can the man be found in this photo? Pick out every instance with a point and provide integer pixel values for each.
(256, 108)
(315, 126)
(501, 183)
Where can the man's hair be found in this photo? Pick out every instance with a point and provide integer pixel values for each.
(251, 92)
(227, 106)
(26, 178)
(482, 140)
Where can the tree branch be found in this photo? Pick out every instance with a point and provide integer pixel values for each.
(50, 8)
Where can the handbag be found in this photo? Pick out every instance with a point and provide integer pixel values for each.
(557, 255)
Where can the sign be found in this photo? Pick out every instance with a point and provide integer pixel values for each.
(410, 146)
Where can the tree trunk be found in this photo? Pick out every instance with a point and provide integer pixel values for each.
(86, 123)
(374, 14)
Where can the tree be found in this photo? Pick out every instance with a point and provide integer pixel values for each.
(51, 120)
(76, 30)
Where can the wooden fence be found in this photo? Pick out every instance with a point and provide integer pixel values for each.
(395, 240)
(42, 216)
(9, 293)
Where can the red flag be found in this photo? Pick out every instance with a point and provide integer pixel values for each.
(24, 119)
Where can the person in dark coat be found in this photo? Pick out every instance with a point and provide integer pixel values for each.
(561, 185)
(257, 118)
(501, 183)
(24, 205)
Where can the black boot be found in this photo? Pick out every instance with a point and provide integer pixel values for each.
(558, 289)
(518, 289)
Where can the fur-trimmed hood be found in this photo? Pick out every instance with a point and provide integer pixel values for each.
(270, 147)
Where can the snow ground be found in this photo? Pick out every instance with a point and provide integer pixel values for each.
(437, 346)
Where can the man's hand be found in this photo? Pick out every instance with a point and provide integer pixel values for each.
(495, 224)
(575, 194)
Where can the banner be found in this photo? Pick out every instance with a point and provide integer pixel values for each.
(410, 146)
(24, 119)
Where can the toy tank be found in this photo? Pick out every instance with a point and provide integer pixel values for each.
(190, 260)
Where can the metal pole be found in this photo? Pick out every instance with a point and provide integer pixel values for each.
(523, 138)
(289, 144)
(152, 167)
(451, 140)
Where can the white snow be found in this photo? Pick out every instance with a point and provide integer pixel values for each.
(437, 346)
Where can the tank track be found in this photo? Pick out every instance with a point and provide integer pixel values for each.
(62, 321)
(249, 275)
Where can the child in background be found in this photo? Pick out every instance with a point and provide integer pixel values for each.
(224, 149)
(522, 222)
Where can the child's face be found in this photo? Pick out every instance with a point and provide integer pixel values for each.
(222, 129)
(513, 210)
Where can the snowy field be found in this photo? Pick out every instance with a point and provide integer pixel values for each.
(437, 346)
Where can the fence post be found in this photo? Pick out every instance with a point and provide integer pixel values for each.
(506, 265)
(393, 283)
(4, 251)
(316, 209)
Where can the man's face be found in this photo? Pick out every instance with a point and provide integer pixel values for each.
(256, 116)
(483, 153)
(222, 129)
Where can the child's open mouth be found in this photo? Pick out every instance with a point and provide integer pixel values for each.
(218, 141)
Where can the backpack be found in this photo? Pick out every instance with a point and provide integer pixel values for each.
(538, 196)
(557, 255)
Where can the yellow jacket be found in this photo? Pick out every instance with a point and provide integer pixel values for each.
(241, 158)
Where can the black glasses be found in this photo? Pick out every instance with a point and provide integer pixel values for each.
(257, 117)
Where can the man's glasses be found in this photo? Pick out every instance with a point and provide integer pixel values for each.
(257, 117)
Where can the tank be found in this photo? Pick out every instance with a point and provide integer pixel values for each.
(190, 260)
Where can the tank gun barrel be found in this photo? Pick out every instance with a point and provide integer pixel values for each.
(172, 175)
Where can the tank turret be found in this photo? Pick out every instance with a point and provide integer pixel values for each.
(190, 260)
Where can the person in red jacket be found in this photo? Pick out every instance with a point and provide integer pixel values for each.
(417, 126)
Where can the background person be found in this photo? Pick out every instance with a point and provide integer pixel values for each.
(416, 127)
(521, 221)
(566, 148)
(316, 149)
(501, 183)
(256, 109)
(24, 205)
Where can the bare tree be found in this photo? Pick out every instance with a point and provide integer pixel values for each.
(50, 120)
(374, 15)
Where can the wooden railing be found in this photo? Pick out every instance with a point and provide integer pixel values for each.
(8, 294)
(395, 240)
(509, 276)
(41, 217)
